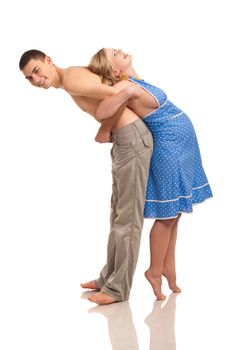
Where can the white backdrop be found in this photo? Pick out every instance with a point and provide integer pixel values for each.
(55, 181)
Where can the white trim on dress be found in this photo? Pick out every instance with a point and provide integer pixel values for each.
(174, 200)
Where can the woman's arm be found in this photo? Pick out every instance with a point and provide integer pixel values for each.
(111, 105)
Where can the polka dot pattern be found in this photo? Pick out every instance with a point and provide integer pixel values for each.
(177, 179)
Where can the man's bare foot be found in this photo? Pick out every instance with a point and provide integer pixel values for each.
(87, 293)
(90, 285)
(101, 298)
(171, 279)
(156, 283)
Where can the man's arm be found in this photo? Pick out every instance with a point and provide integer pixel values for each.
(84, 83)
(104, 133)
(110, 109)
(81, 82)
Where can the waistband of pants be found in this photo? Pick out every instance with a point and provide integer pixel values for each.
(137, 125)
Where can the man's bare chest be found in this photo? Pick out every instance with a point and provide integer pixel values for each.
(87, 104)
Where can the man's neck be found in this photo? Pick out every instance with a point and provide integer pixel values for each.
(59, 75)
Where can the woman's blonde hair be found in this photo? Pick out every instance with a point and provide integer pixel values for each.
(100, 65)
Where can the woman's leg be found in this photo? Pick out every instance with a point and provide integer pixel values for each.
(169, 266)
(159, 241)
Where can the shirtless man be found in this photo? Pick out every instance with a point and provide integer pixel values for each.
(131, 153)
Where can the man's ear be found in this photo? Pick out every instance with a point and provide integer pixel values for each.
(48, 60)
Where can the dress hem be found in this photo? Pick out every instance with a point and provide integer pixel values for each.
(179, 212)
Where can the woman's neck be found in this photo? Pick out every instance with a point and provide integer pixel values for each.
(130, 73)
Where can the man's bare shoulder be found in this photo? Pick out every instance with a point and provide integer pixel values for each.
(77, 79)
(80, 73)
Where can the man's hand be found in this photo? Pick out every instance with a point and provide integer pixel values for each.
(103, 136)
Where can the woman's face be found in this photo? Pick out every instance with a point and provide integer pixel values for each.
(119, 60)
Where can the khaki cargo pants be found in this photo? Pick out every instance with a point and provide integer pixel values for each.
(131, 153)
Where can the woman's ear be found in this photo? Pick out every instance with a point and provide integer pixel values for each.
(116, 72)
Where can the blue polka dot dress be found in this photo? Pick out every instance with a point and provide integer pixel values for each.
(177, 179)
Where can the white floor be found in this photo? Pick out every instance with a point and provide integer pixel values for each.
(43, 307)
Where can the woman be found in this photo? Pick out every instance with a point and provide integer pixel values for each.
(177, 179)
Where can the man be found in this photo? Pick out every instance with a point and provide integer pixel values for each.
(130, 158)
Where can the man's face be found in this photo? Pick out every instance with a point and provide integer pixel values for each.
(40, 73)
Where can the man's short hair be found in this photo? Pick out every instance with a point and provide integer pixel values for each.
(30, 54)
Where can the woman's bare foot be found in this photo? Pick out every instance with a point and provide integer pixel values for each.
(156, 283)
(171, 279)
(101, 298)
(90, 285)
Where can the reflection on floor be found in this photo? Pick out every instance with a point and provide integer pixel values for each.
(161, 322)
(121, 328)
(122, 331)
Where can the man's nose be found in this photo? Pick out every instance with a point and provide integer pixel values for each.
(35, 78)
